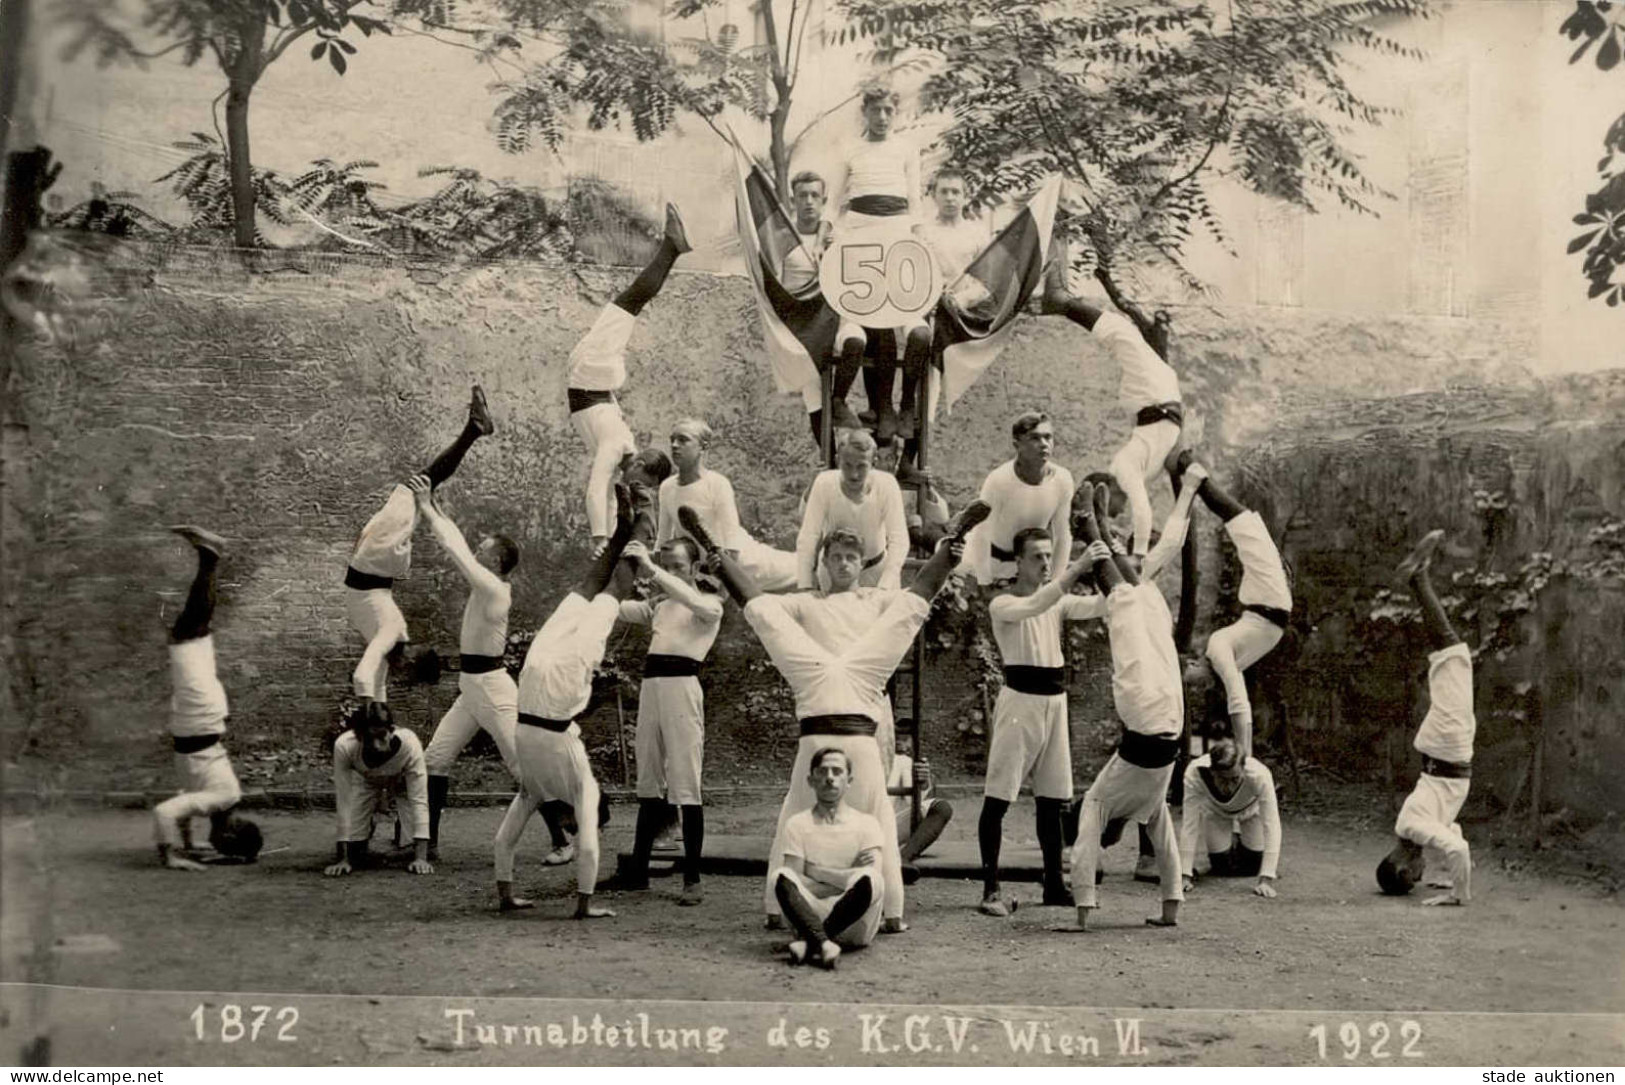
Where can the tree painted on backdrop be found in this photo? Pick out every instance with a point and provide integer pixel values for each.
(1601, 23)
(1145, 108)
(244, 37)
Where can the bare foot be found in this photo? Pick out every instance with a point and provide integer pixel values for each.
(1443, 900)
(593, 911)
(176, 862)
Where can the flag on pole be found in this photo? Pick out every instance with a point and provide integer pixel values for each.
(1010, 270)
(799, 327)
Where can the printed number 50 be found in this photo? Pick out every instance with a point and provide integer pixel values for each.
(233, 1029)
(900, 275)
(1348, 1034)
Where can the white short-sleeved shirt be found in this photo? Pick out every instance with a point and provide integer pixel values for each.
(1146, 379)
(712, 497)
(836, 844)
(1028, 627)
(956, 244)
(678, 631)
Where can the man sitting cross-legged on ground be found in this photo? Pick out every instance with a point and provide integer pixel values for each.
(826, 873)
(935, 813)
(1429, 835)
(597, 370)
(1230, 811)
(1265, 596)
(383, 553)
(1030, 736)
(487, 698)
(555, 686)
(374, 763)
(197, 720)
(1146, 690)
(840, 692)
(671, 708)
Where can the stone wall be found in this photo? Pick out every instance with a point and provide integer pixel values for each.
(280, 407)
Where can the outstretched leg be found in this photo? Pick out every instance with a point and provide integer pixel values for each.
(1057, 300)
(193, 621)
(935, 572)
(601, 572)
(740, 584)
(653, 276)
(479, 424)
(1414, 570)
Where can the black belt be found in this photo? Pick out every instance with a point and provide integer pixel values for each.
(840, 724)
(473, 664)
(1449, 770)
(1148, 751)
(1160, 412)
(360, 581)
(582, 398)
(194, 743)
(879, 205)
(1274, 615)
(657, 665)
(1038, 681)
(545, 724)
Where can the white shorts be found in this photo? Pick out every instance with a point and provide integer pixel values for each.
(860, 933)
(556, 681)
(773, 570)
(1236, 647)
(1029, 738)
(1431, 809)
(1263, 575)
(198, 704)
(374, 614)
(384, 547)
(1147, 684)
(671, 739)
(1448, 729)
(1129, 792)
(553, 766)
(598, 360)
(489, 701)
(866, 793)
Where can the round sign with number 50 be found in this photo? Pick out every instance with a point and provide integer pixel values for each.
(881, 276)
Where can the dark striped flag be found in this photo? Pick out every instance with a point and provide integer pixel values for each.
(799, 326)
(1009, 271)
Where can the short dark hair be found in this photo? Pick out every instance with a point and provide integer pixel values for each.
(238, 838)
(1223, 753)
(655, 463)
(808, 177)
(844, 536)
(1018, 545)
(1026, 422)
(687, 544)
(507, 554)
(1103, 478)
(879, 92)
(819, 758)
(1393, 879)
(947, 173)
(372, 712)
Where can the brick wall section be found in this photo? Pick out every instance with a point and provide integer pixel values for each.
(280, 408)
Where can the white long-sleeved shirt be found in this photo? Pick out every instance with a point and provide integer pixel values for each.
(1017, 505)
(485, 615)
(678, 631)
(712, 496)
(955, 244)
(878, 519)
(801, 262)
(1146, 379)
(352, 776)
(1028, 627)
(1254, 797)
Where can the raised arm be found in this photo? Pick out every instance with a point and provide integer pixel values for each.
(1060, 529)
(703, 605)
(478, 576)
(1018, 608)
(896, 525)
(812, 529)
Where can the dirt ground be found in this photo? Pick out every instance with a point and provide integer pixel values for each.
(91, 879)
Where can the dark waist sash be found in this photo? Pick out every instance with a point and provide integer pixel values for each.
(582, 398)
(837, 725)
(1038, 681)
(1148, 751)
(481, 664)
(1448, 770)
(194, 743)
(360, 581)
(657, 665)
(1160, 412)
(1274, 615)
(545, 724)
(870, 563)
(879, 205)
